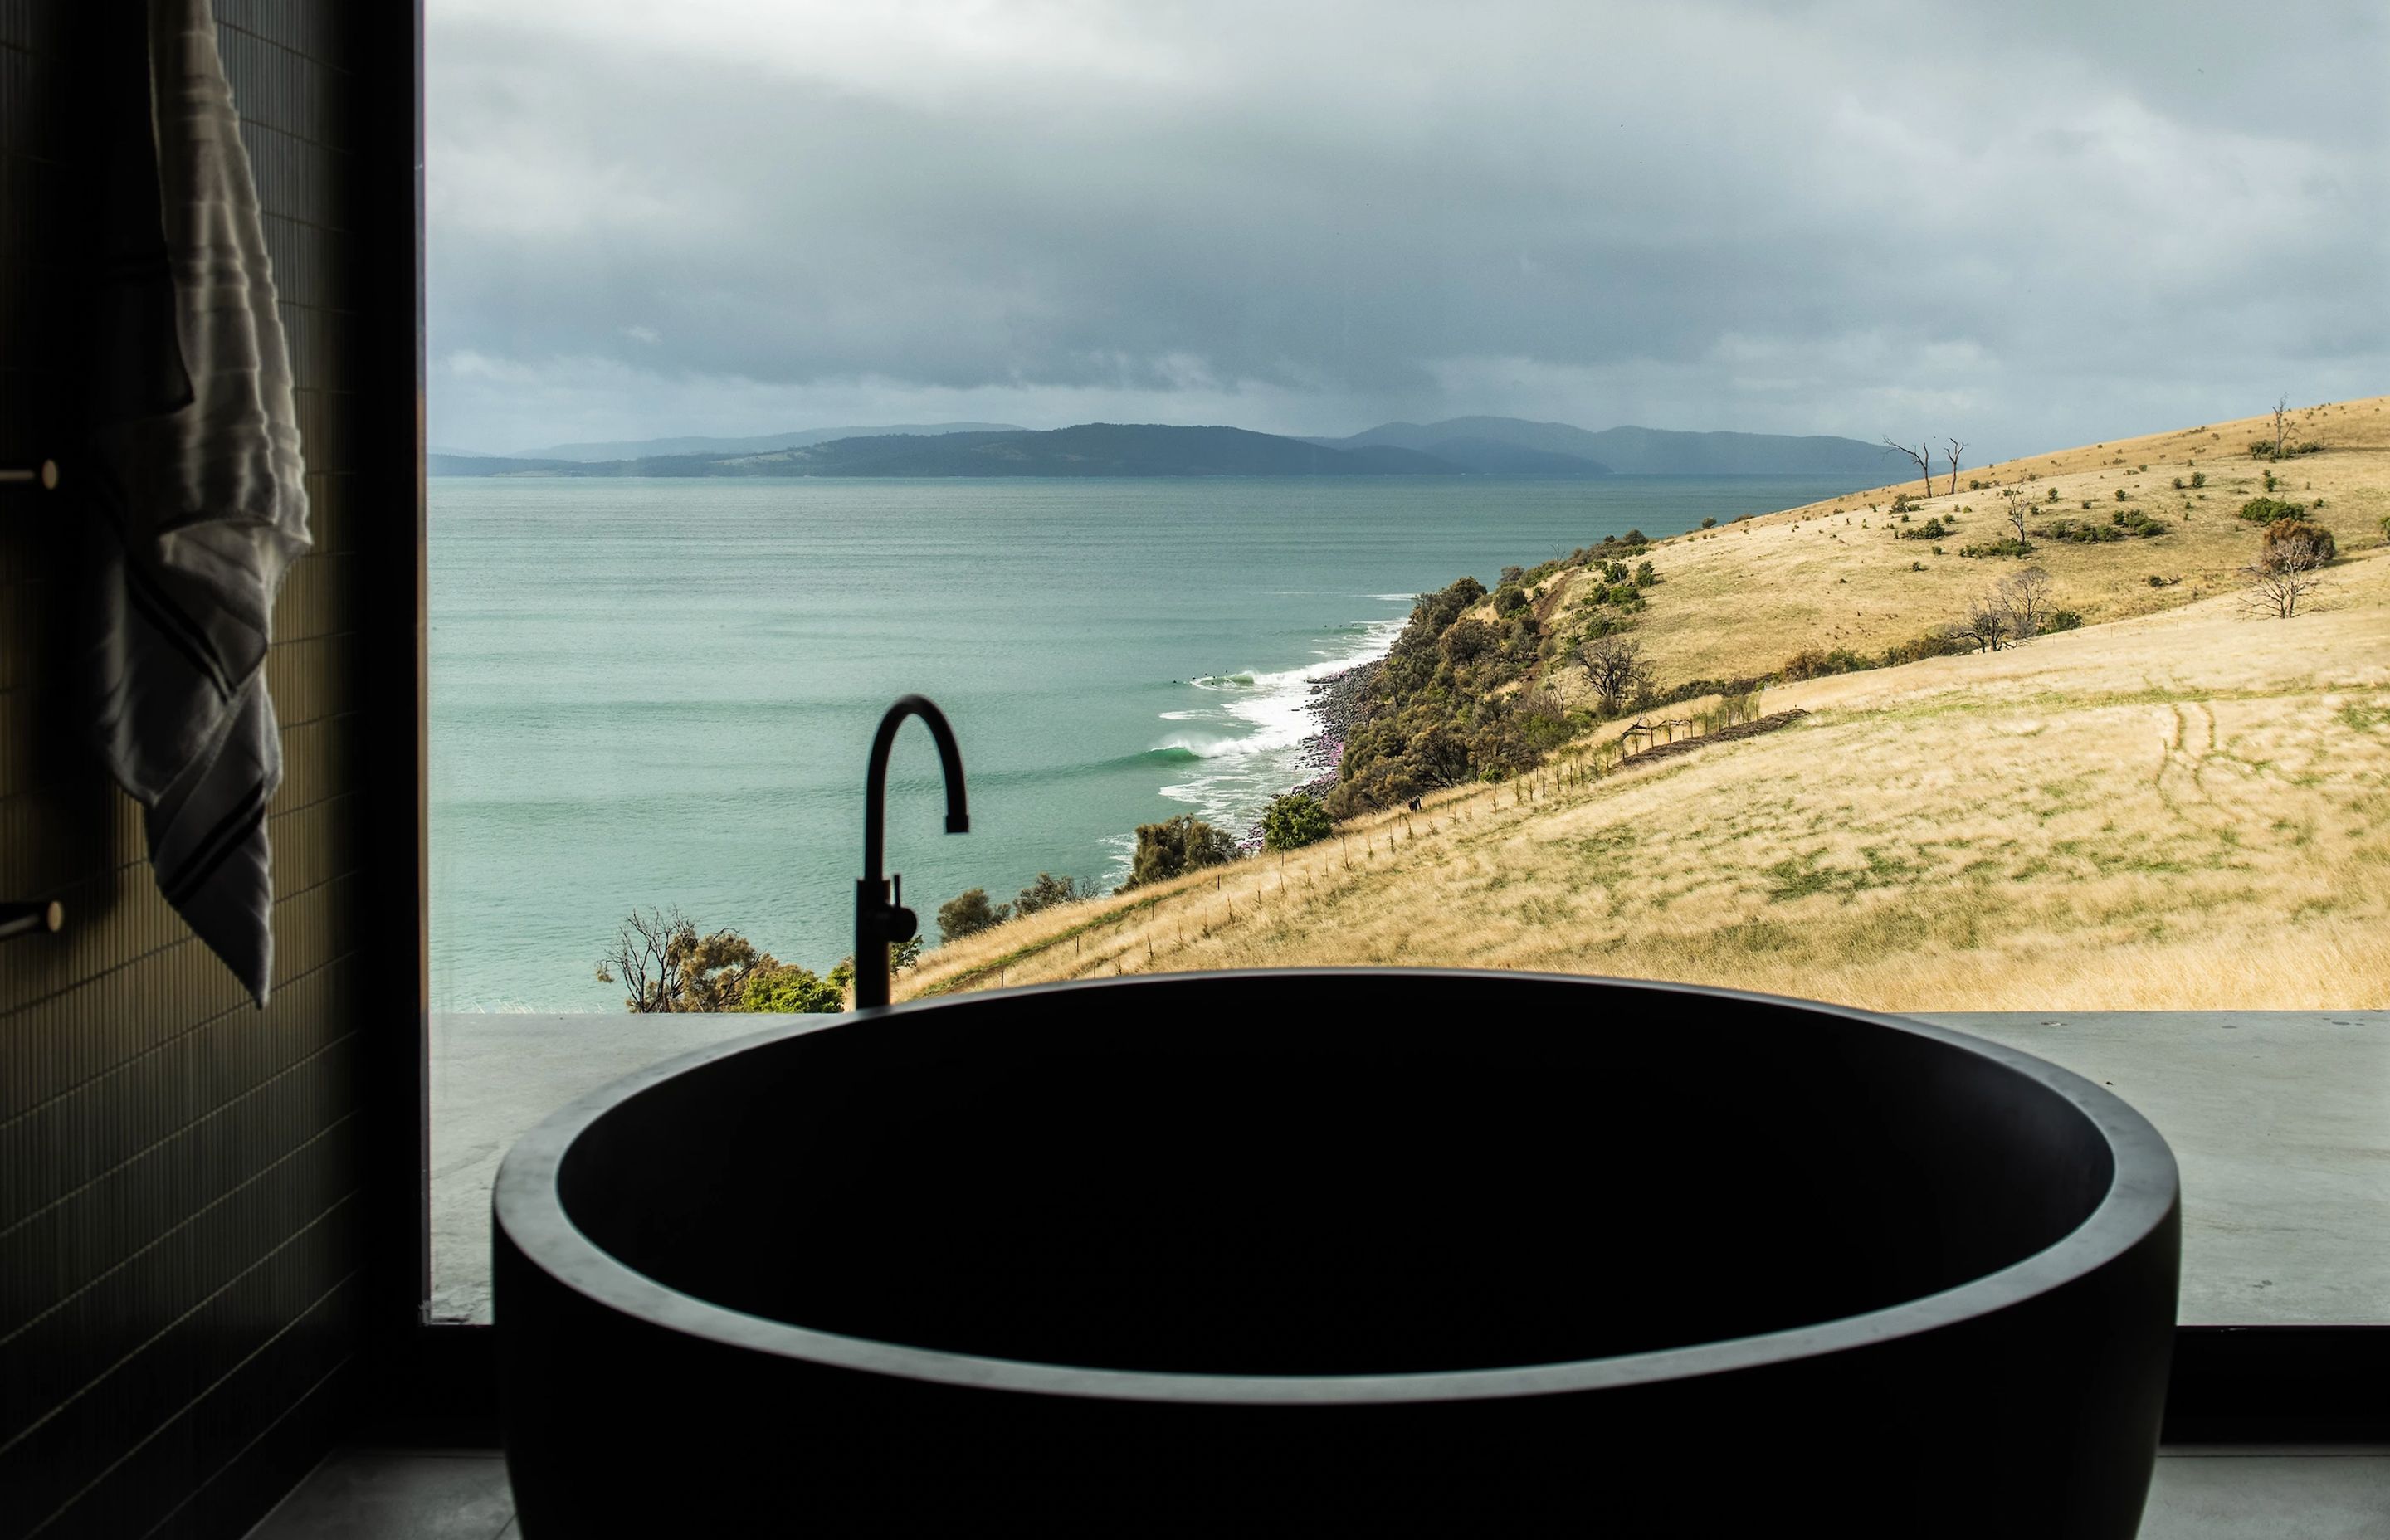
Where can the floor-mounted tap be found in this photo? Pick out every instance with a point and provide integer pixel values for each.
(881, 917)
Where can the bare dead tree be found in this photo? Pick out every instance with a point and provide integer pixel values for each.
(2025, 595)
(1957, 449)
(1986, 623)
(2289, 570)
(2282, 421)
(1922, 456)
(2012, 508)
(647, 957)
(1616, 670)
(2279, 591)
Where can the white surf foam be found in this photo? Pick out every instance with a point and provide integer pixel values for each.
(1238, 776)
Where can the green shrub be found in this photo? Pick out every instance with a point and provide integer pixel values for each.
(1509, 599)
(2199, 478)
(2060, 619)
(1933, 644)
(2120, 495)
(1170, 848)
(1047, 892)
(2006, 545)
(1511, 576)
(2156, 582)
(2177, 484)
(1469, 640)
(2265, 510)
(968, 913)
(2293, 545)
(1933, 528)
(1293, 821)
(789, 989)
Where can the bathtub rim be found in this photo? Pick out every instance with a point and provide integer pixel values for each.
(2144, 1194)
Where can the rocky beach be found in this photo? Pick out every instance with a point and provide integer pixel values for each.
(1335, 702)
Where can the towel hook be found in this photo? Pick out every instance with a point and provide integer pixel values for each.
(45, 475)
(24, 919)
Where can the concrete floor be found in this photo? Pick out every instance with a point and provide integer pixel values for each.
(2198, 1494)
(2281, 1121)
(494, 1078)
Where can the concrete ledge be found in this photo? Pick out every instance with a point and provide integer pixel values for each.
(2279, 1119)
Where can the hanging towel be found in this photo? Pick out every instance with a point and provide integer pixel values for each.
(196, 463)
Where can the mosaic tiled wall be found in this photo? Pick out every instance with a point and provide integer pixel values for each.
(181, 1175)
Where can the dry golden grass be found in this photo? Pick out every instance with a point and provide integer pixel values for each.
(1740, 600)
(2184, 809)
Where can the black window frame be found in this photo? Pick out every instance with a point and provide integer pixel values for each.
(436, 1385)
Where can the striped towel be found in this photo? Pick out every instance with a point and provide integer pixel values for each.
(196, 461)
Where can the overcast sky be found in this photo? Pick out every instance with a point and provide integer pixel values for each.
(2027, 224)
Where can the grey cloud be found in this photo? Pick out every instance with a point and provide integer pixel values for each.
(1781, 216)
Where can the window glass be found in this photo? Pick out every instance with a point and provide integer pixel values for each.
(1873, 504)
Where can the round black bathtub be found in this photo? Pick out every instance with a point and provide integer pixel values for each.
(1339, 1251)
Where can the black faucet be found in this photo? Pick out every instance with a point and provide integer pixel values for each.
(880, 917)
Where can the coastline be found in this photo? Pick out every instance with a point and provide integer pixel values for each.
(1335, 702)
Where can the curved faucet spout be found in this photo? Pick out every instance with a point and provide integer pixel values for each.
(880, 916)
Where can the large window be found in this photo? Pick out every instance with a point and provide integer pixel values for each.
(1878, 508)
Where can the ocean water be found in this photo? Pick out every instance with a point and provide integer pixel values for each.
(661, 692)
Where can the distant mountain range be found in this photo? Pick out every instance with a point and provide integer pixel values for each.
(763, 443)
(1091, 449)
(1513, 446)
(1460, 446)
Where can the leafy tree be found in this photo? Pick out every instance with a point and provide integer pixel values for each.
(1045, 893)
(2295, 546)
(1470, 640)
(1177, 846)
(968, 913)
(1509, 599)
(789, 988)
(1293, 821)
(667, 966)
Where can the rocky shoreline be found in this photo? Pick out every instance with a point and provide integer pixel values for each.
(1336, 701)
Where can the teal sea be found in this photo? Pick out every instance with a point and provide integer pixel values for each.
(660, 692)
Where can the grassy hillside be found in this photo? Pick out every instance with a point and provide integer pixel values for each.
(1739, 600)
(2178, 806)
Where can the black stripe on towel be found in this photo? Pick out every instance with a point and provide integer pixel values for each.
(222, 840)
(176, 627)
